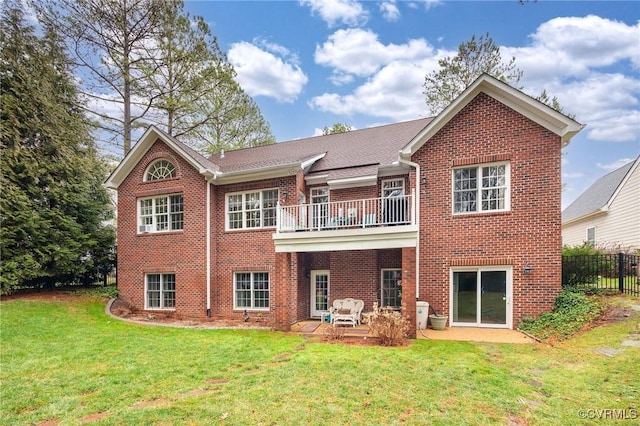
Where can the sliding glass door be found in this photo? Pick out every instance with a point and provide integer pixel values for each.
(481, 297)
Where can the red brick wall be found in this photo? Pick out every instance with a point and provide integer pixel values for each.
(354, 273)
(244, 250)
(486, 131)
(179, 252)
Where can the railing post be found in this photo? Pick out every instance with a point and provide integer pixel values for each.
(621, 272)
(278, 218)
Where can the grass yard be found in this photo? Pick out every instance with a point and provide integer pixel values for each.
(63, 361)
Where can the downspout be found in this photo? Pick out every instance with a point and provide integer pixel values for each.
(208, 222)
(209, 248)
(416, 218)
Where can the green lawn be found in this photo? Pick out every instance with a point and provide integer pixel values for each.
(69, 363)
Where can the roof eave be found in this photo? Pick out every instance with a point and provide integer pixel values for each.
(558, 123)
(599, 212)
(150, 136)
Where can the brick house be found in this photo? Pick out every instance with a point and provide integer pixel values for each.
(462, 211)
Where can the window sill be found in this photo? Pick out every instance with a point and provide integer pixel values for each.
(144, 234)
(476, 214)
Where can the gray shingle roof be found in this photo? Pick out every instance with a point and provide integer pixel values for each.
(597, 195)
(371, 146)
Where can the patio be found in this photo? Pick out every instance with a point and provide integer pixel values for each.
(465, 334)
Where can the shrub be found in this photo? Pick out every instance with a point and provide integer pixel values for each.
(572, 310)
(389, 326)
(333, 333)
(579, 265)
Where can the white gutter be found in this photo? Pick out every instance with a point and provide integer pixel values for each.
(416, 218)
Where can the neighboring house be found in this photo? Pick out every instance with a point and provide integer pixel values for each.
(462, 211)
(607, 214)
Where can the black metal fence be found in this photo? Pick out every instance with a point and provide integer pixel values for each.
(618, 272)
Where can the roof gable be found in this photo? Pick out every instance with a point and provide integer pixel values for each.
(150, 136)
(533, 109)
(599, 196)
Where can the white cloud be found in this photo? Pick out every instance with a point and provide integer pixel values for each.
(263, 73)
(395, 92)
(334, 12)
(615, 165)
(574, 47)
(359, 52)
(390, 11)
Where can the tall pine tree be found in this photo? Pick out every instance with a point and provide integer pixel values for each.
(53, 204)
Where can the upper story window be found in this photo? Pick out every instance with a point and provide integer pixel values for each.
(250, 210)
(161, 169)
(160, 214)
(481, 188)
(392, 188)
(591, 235)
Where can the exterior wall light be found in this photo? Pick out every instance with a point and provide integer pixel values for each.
(527, 269)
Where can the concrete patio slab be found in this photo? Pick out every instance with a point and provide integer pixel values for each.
(469, 334)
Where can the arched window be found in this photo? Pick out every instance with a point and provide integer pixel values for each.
(161, 169)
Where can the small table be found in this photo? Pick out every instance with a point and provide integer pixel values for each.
(323, 315)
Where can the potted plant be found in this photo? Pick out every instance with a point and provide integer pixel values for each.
(438, 322)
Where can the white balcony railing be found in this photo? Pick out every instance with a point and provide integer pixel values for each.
(365, 213)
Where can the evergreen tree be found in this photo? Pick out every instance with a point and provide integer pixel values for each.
(53, 204)
(196, 97)
(474, 57)
(336, 128)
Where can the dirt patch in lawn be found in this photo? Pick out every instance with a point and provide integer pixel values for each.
(60, 295)
(613, 314)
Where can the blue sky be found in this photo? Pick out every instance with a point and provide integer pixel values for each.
(310, 64)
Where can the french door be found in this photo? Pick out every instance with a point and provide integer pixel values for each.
(319, 292)
(481, 297)
(319, 207)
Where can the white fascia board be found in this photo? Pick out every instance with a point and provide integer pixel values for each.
(536, 111)
(312, 160)
(258, 174)
(595, 213)
(354, 182)
(393, 170)
(624, 181)
(346, 239)
(140, 149)
(316, 179)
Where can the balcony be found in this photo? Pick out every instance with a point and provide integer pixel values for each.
(372, 223)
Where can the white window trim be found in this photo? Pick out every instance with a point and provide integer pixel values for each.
(154, 224)
(592, 242)
(244, 217)
(146, 172)
(401, 180)
(252, 308)
(479, 167)
(509, 295)
(146, 290)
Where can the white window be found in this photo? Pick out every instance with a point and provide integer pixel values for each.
(251, 290)
(392, 188)
(481, 188)
(160, 214)
(160, 291)
(249, 210)
(591, 235)
(391, 288)
(161, 169)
